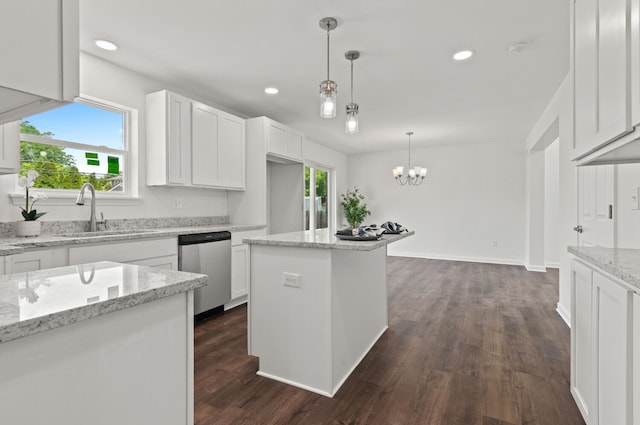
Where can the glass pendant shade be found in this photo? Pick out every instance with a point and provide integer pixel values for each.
(328, 91)
(352, 118)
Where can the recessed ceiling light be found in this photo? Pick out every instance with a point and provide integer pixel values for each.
(106, 45)
(462, 55)
(271, 90)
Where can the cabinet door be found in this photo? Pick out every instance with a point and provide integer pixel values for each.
(204, 145)
(585, 74)
(169, 262)
(239, 270)
(294, 144)
(613, 90)
(635, 62)
(583, 378)
(29, 261)
(277, 142)
(231, 152)
(636, 359)
(612, 311)
(179, 140)
(10, 148)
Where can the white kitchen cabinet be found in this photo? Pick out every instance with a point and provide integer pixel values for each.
(192, 144)
(10, 148)
(42, 70)
(283, 141)
(239, 270)
(636, 359)
(582, 367)
(217, 148)
(601, 346)
(149, 252)
(168, 139)
(36, 260)
(601, 68)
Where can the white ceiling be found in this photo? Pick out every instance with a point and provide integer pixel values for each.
(229, 51)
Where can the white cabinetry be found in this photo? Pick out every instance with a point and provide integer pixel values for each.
(161, 253)
(240, 266)
(217, 148)
(41, 70)
(601, 336)
(10, 148)
(192, 144)
(636, 359)
(283, 141)
(36, 260)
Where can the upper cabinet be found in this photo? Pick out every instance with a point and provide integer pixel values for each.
(10, 148)
(42, 70)
(606, 59)
(192, 144)
(283, 141)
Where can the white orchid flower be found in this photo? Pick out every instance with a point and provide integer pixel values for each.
(22, 181)
(38, 195)
(31, 176)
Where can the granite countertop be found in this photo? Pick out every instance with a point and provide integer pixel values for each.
(323, 238)
(16, 245)
(38, 301)
(621, 263)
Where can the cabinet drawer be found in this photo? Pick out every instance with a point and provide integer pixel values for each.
(124, 252)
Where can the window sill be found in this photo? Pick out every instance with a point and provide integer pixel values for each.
(63, 197)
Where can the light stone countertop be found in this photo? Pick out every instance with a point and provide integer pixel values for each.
(621, 263)
(324, 239)
(17, 245)
(38, 301)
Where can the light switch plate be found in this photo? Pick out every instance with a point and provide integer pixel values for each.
(291, 279)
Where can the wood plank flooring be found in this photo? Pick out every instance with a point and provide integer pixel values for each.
(467, 344)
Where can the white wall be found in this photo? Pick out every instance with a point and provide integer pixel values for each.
(107, 81)
(628, 219)
(473, 195)
(551, 204)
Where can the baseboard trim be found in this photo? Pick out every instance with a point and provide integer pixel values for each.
(235, 302)
(564, 314)
(486, 260)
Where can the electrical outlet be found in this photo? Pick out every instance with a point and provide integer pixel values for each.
(291, 279)
(177, 203)
(494, 243)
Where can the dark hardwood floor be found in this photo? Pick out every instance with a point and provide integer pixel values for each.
(467, 344)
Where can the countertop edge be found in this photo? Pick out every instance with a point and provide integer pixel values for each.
(20, 245)
(623, 264)
(340, 244)
(37, 325)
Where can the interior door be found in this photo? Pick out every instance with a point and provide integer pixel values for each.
(596, 215)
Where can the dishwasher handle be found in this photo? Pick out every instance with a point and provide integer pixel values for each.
(196, 238)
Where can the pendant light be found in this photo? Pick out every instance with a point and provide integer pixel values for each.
(352, 108)
(416, 175)
(328, 88)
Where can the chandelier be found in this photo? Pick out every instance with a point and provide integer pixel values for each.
(416, 174)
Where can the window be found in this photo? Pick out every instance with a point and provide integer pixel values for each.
(82, 142)
(316, 201)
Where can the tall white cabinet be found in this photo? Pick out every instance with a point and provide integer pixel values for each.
(191, 144)
(10, 148)
(42, 70)
(602, 346)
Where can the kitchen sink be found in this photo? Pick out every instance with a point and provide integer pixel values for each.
(106, 233)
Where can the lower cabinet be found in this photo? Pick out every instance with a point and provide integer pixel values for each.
(240, 267)
(161, 253)
(602, 343)
(35, 260)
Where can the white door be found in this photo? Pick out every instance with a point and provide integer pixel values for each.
(596, 217)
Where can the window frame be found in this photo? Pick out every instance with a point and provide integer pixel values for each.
(130, 192)
(331, 211)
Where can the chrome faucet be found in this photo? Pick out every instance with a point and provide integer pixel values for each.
(80, 201)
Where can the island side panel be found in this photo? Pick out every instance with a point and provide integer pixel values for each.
(290, 327)
(128, 366)
(359, 307)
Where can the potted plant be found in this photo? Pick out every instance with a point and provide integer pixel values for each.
(29, 227)
(354, 208)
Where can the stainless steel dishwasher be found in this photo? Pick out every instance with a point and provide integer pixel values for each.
(210, 254)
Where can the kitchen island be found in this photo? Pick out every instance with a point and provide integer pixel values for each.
(100, 343)
(317, 305)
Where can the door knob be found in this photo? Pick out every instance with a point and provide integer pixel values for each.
(578, 228)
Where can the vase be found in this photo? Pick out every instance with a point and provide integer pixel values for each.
(28, 228)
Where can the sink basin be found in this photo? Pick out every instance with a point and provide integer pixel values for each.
(106, 233)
